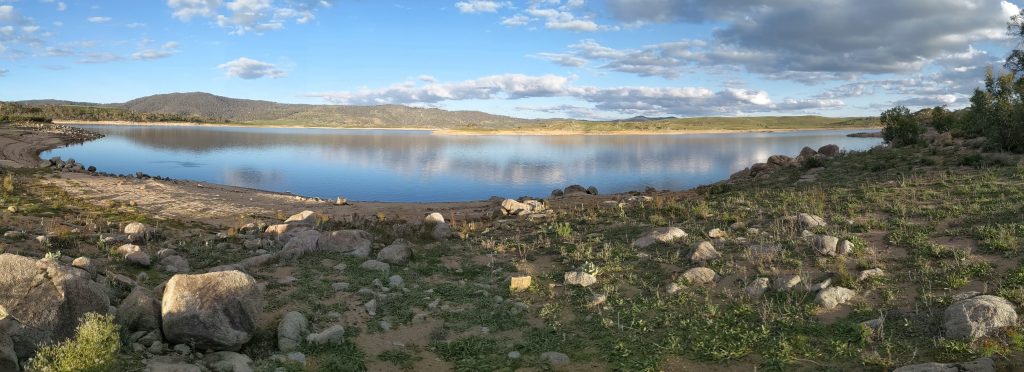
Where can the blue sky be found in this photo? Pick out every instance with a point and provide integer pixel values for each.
(588, 59)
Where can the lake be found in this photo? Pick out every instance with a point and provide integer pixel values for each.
(417, 166)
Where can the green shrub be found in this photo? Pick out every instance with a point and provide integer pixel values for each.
(94, 348)
(901, 127)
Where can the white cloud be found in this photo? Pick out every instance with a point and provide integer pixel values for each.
(99, 19)
(166, 50)
(566, 60)
(516, 20)
(246, 68)
(61, 6)
(480, 6)
(683, 101)
(3, 72)
(246, 16)
(99, 57)
(135, 25)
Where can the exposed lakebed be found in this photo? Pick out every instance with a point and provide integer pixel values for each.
(417, 166)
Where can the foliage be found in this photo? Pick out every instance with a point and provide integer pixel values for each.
(94, 348)
(901, 128)
(997, 112)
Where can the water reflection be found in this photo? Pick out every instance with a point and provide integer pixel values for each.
(417, 166)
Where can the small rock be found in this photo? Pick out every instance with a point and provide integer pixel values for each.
(810, 221)
(520, 283)
(293, 328)
(757, 287)
(297, 357)
(868, 274)
(397, 253)
(84, 263)
(554, 358)
(700, 275)
(661, 234)
(332, 335)
(825, 245)
(703, 252)
(227, 361)
(831, 297)
(182, 349)
(374, 265)
(371, 307)
(441, 231)
(717, 233)
(433, 218)
(139, 258)
(821, 285)
(395, 281)
(338, 287)
(845, 247)
(787, 282)
(580, 278)
(515, 354)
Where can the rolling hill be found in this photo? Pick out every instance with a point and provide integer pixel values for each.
(209, 108)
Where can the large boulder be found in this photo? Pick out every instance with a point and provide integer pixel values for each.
(292, 329)
(353, 242)
(661, 234)
(140, 311)
(510, 207)
(45, 299)
(978, 317)
(397, 253)
(441, 231)
(574, 190)
(979, 365)
(212, 311)
(829, 150)
(302, 243)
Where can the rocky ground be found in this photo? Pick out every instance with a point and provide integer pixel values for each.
(826, 260)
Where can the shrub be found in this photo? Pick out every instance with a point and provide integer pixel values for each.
(901, 127)
(94, 348)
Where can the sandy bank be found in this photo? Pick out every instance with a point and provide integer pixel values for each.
(460, 132)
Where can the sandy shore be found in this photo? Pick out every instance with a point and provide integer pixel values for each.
(221, 204)
(458, 132)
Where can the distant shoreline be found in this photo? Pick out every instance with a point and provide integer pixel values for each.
(462, 132)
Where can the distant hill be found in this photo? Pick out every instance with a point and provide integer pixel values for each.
(209, 108)
(266, 112)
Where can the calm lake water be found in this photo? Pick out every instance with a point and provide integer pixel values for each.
(416, 166)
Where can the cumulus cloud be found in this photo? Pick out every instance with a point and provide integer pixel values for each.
(480, 6)
(567, 60)
(99, 19)
(245, 68)
(166, 50)
(246, 16)
(831, 36)
(682, 101)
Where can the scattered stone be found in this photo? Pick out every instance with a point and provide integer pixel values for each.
(307, 218)
(213, 311)
(821, 285)
(338, 287)
(371, 307)
(227, 361)
(661, 234)
(807, 152)
(514, 355)
(979, 365)
(873, 324)
(868, 274)
(700, 275)
(287, 280)
(757, 287)
(138, 258)
(291, 331)
(171, 366)
(182, 349)
(175, 264)
(592, 190)
(703, 252)
(977, 317)
(397, 253)
(510, 207)
(825, 245)
(13, 234)
(554, 358)
(300, 243)
(717, 233)
(598, 300)
(352, 242)
(340, 201)
(441, 231)
(520, 283)
(580, 278)
(137, 231)
(85, 263)
(779, 160)
(433, 218)
(47, 299)
(831, 297)
(845, 247)
(395, 281)
(787, 282)
(810, 221)
(297, 357)
(278, 230)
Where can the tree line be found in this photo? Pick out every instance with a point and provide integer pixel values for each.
(996, 112)
(11, 112)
